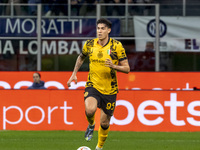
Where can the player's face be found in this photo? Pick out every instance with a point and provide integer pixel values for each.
(102, 31)
(36, 78)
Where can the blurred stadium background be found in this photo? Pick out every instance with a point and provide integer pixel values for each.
(158, 105)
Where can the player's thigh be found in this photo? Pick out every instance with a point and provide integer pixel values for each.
(90, 104)
(104, 119)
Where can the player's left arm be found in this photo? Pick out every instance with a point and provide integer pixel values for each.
(122, 67)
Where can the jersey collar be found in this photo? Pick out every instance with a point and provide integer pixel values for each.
(106, 43)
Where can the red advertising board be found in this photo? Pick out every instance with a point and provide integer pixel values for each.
(42, 110)
(153, 101)
(133, 80)
(135, 110)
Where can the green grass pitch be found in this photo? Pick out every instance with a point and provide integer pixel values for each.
(71, 140)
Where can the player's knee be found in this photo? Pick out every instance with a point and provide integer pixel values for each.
(90, 109)
(90, 112)
(105, 125)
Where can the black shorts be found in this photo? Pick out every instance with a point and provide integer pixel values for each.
(105, 102)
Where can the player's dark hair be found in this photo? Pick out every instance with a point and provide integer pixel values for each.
(38, 74)
(106, 22)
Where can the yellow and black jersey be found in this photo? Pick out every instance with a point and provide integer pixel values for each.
(103, 78)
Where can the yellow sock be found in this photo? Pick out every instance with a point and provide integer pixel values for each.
(102, 135)
(91, 120)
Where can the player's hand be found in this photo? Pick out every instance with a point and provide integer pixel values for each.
(108, 63)
(72, 78)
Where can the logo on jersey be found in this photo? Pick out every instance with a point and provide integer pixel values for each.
(108, 51)
(86, 94)
(100, 54)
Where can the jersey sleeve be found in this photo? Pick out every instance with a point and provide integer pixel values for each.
(85, 49)
(121, 54)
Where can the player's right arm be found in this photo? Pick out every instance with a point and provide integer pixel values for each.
(77, 66)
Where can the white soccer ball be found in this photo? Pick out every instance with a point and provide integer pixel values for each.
(83, 148)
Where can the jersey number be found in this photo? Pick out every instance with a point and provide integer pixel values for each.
(110, 106)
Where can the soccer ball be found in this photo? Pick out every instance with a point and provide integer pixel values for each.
(83, 148)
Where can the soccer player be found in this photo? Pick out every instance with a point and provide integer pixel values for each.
(106, 57)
